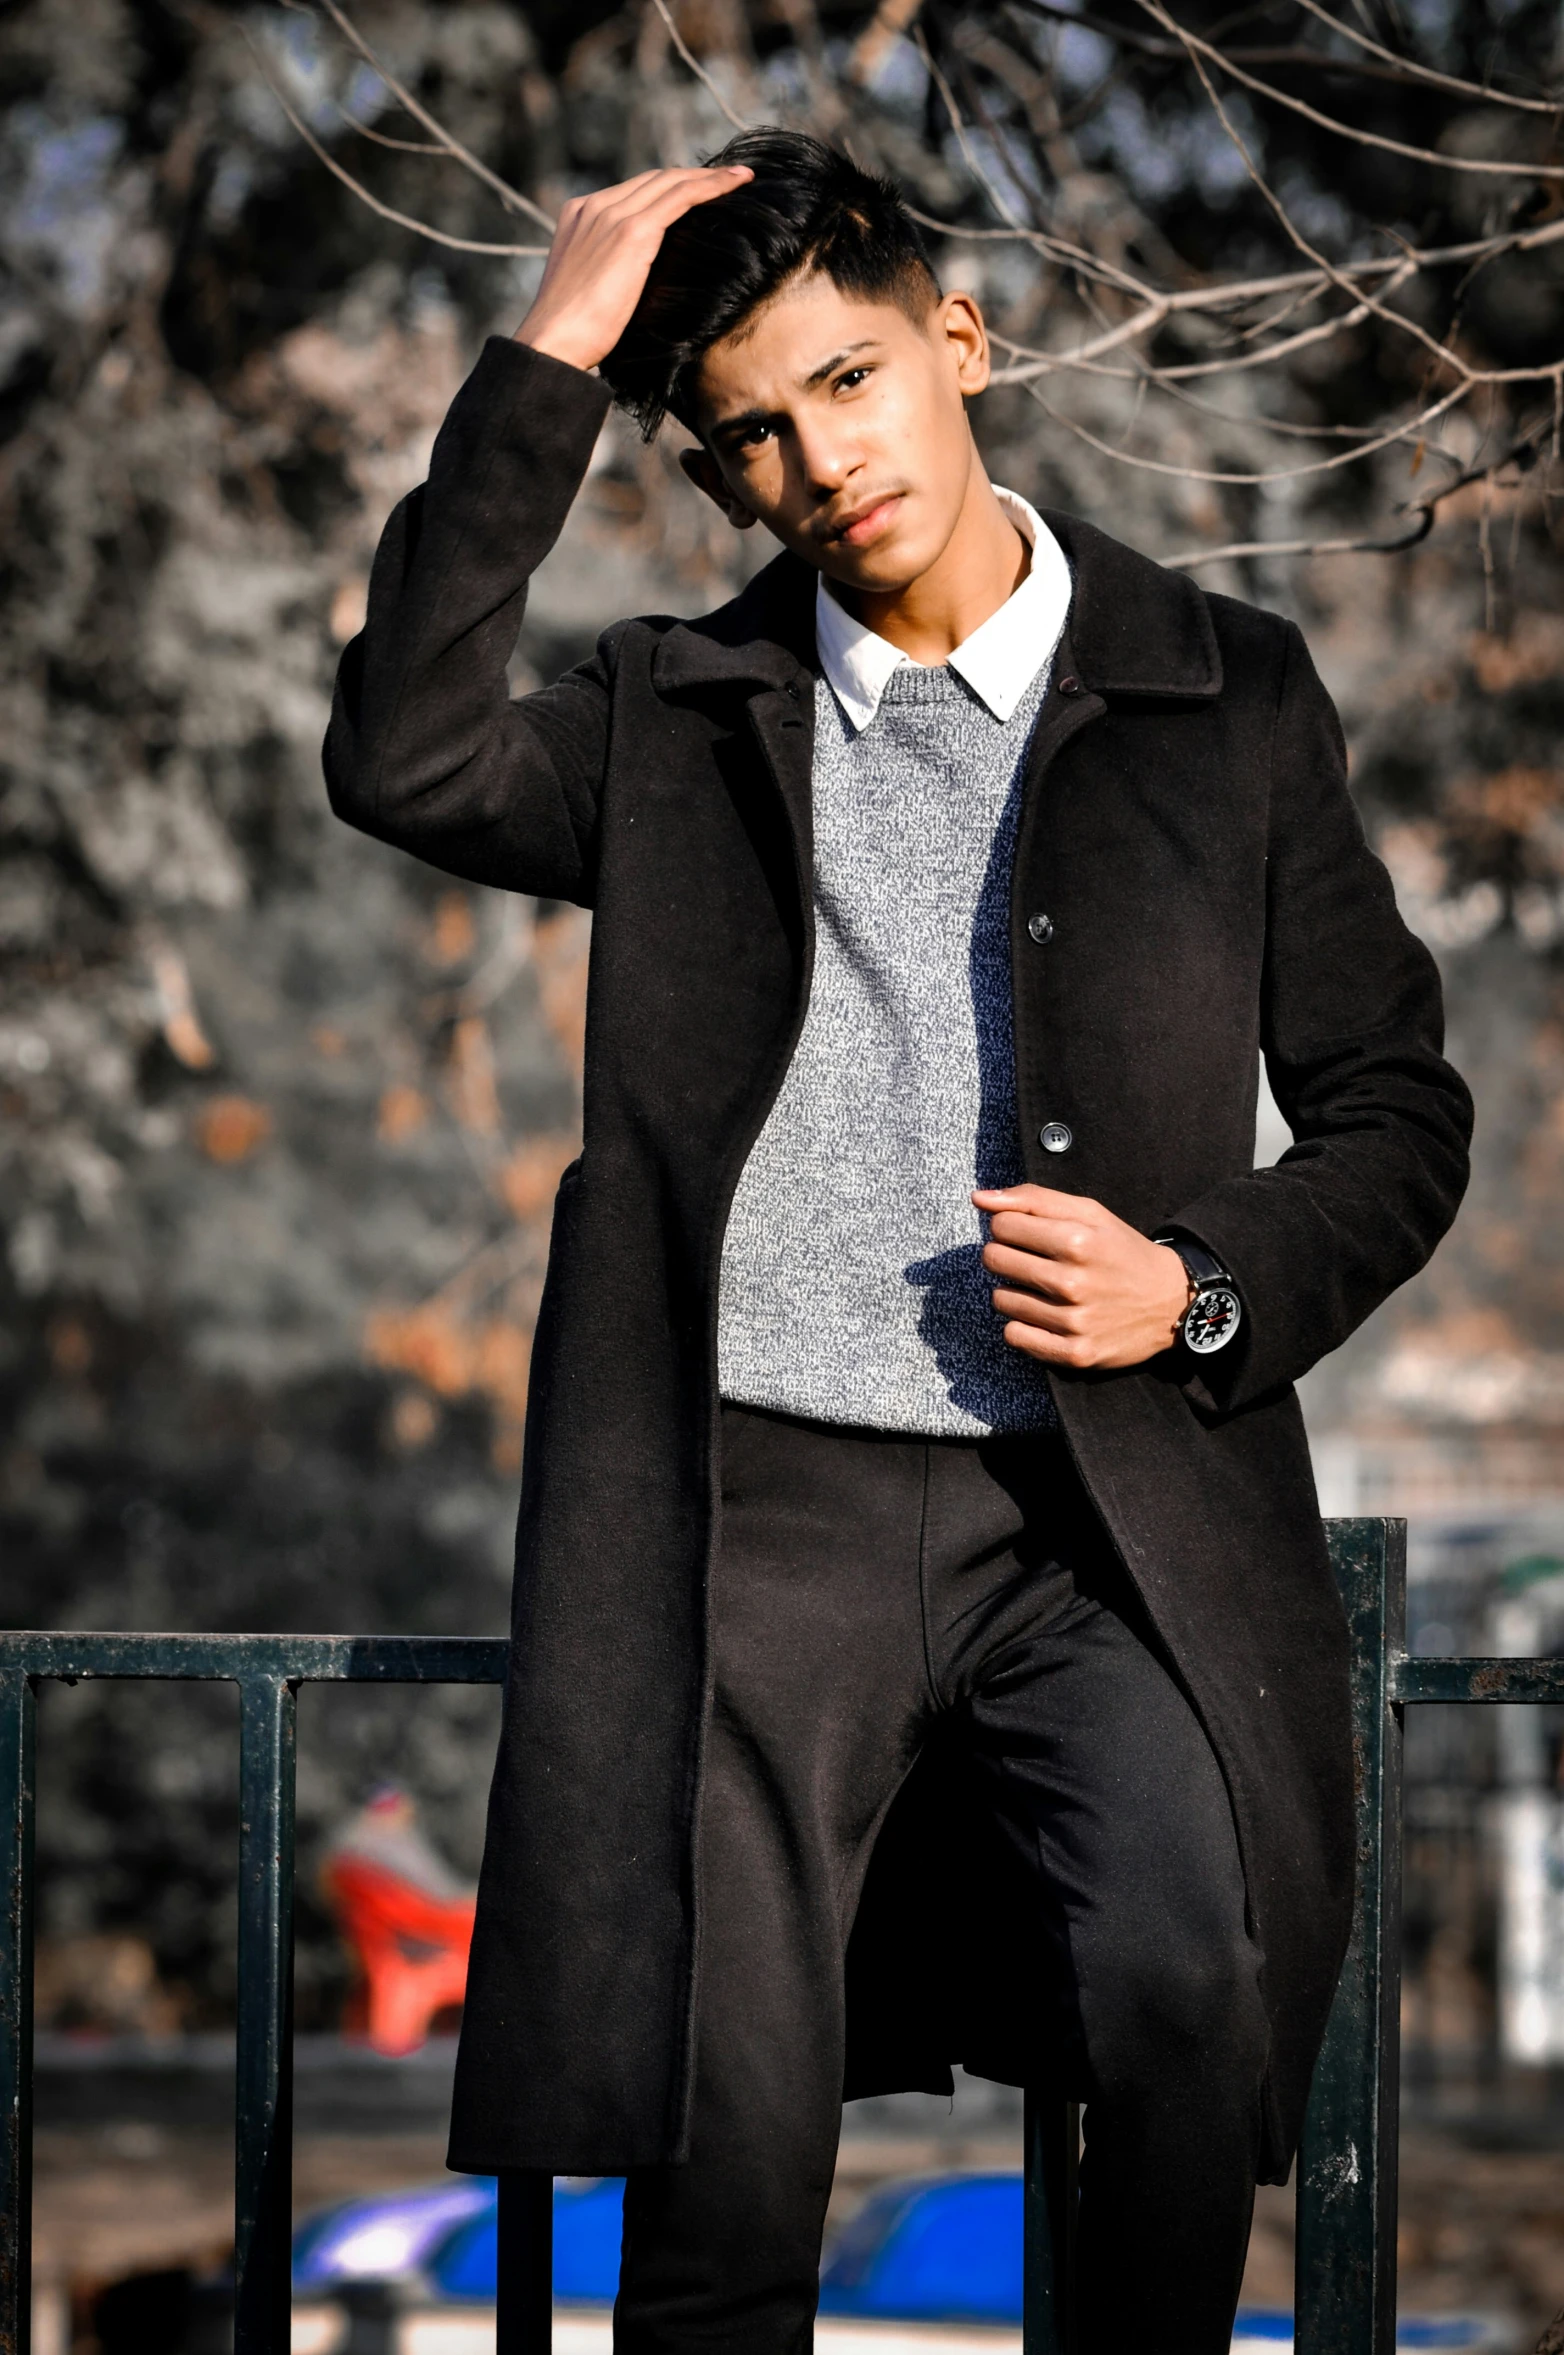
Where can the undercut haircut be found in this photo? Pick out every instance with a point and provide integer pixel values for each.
(808, 208)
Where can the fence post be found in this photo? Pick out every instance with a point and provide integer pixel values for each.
(1052, 2133)
(524, 2300)
(1346, 2261)
(17, 1792)
(263, 2090)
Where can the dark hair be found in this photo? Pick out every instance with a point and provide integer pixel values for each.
(807, 208)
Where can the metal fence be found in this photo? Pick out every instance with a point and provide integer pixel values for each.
(1345, 2288)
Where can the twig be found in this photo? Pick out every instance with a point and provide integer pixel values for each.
(387, 212)
(1482, 165)
(1393, 69)
(1085, 356)
(1427, 73)
(1331, 465)
(509, 196)
(696, 68)
(384, 139)
(1441, 352)
(1234, 548)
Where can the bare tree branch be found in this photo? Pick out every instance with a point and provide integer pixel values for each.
(1522, 453)
(1018, 156)
(1484, 166)
(1191, 557)
(366, 196)
(1409, 429)
(384, 139)
(1427, 73)
(696, 68)
(511, 198)
(1393, 69)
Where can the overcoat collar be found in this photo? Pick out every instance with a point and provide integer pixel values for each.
(1134, 629)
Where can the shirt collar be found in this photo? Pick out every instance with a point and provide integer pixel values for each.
(1000, 659)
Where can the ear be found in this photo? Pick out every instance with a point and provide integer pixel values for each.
(707, 476)
(958, 323)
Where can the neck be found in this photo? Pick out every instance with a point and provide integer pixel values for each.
(982, 564)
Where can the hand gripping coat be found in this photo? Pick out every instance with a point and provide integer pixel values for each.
(1187, 827)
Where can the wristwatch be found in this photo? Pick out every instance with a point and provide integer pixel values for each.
(1215, 1311)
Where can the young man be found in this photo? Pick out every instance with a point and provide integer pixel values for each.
(924, 1646)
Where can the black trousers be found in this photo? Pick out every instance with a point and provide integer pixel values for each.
(869, 1584)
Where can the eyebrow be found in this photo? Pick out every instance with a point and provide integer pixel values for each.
(728, 427)
(819, 375)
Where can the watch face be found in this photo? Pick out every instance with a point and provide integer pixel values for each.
(1213, 1318)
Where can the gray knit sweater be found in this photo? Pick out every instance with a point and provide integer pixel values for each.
(852, 1288)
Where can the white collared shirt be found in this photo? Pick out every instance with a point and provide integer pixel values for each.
(1000, 659)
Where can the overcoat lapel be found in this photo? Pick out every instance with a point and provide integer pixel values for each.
(762, 645)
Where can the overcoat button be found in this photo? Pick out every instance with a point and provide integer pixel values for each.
(1069, 684)
(1056, 1138)
(1041, 927)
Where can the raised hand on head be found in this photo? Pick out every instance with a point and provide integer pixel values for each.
(603, 248)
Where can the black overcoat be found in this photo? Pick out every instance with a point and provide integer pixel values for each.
(1187, 826)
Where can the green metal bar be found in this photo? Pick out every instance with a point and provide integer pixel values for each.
(263, 2106)
(18, 1788)
(1052, 2141)
(1346, 2252)
(300, 1659)
(524, 2287)
(1476, 1680)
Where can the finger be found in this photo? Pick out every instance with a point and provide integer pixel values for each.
(1030, 1308)
(685, 189)
(1038, 1274)
(1042, 1201)
(619, 188)
(1050, 1349)
(1050, 1238)
(651, 187)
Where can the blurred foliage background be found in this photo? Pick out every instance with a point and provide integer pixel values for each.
(283, 1112)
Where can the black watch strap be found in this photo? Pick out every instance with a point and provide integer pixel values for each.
(1215, 1311)
(1203, 1269)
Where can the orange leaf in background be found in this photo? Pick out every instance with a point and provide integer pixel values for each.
(1513, 801)
(1532, 651)
(348, 608)
(403, 1111)
(453, 934)
(454, 1360)
(231, 1127)
(530, 1176)
(182, 1030)
(429, 1342)
(188, 1041)
(502, 1359)
(474, 1098)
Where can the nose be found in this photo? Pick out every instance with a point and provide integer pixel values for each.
(825, 454)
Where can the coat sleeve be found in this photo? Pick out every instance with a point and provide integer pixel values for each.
(1352, 1032)
(426, 747)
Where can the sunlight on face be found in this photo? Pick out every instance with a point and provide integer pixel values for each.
(841, 425)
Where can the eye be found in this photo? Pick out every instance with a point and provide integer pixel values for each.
(851, 378)
(755, 436)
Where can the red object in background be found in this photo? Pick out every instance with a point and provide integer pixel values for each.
(406, 1919)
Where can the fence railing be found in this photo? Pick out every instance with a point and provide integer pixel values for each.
(1345, 2284)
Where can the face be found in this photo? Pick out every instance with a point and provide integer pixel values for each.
(841, 425)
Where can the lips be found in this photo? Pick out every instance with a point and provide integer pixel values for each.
(867, 523)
